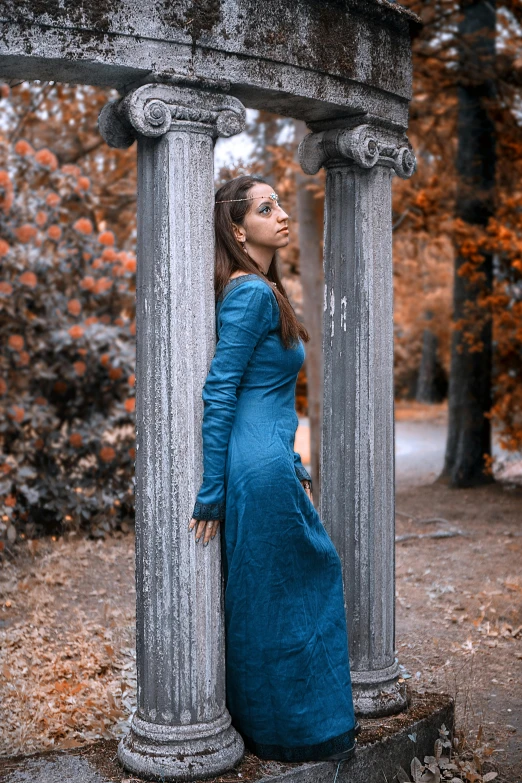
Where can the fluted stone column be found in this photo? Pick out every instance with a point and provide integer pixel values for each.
(181, 729)
(358, 459)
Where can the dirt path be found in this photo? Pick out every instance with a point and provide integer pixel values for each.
(459, 610)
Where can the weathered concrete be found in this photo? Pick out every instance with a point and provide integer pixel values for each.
(372, 763)
(379, 761)
(182, 729)
(313, 60)
(357, 469)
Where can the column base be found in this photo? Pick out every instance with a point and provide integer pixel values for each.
(168, 753)
(378, 693)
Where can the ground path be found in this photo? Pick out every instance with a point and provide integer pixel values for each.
(67, 616)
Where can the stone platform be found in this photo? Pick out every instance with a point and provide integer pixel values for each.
(385, 744)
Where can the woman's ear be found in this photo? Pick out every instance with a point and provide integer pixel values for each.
(239, 232)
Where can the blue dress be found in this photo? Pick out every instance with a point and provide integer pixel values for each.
(288, 681)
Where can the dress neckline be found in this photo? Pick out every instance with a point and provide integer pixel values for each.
(235, 280)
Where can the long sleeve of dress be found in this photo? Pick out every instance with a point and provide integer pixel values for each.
(244, 320)
(300, 470)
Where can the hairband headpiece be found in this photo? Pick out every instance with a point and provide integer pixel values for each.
(272, 195)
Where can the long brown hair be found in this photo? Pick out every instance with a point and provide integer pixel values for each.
(230, 256)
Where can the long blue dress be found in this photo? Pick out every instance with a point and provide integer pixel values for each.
(288, 681)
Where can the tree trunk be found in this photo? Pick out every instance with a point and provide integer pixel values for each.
(432, 385)
(426, 391)
(312, 278)
(469, 432)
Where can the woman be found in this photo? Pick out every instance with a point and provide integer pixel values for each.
(288, 677)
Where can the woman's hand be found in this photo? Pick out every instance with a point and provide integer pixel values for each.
(306, 486)
(209, 527)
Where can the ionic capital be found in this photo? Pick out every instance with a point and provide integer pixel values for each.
(154, 109)
(365, 145)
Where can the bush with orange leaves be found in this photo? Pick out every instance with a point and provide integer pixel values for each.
(66, 355)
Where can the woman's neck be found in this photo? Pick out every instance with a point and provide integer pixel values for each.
(262, 256)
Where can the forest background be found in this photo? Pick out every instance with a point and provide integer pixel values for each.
(67, 276)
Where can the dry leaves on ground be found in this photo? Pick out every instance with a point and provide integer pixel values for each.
(67, 677)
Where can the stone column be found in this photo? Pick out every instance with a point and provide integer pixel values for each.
(358, 458)
(181, 729)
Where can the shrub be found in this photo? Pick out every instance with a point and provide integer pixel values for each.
(67, 353)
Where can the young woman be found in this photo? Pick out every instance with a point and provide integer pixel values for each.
(288, 677)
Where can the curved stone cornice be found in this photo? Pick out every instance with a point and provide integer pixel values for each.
(154, 109)
(365, 145)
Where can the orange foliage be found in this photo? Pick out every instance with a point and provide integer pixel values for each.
(107, 454)
(25, 233)
(6, 191)
(23, 148)
(52, 200)
(76, 440)
(4, 248)
(76, 332)
(425, 205)
(101, 285)
(83, 226)
(6, 288)
(87, 283)
(16, 342)
(69, 168)
(17, 413)
(54, 232)
(47, 158)
(74, 306)
(130, 404)
(106, 238)
(80, 368)
(29, 279)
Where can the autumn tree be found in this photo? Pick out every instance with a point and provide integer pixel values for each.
(466, 128)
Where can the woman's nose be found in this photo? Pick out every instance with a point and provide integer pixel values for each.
(282, 214)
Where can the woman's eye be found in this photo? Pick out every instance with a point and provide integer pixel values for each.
(265, 210)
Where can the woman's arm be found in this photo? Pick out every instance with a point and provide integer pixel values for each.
(302, 473)
(245, 318)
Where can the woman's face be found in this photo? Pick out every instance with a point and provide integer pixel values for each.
(265, 225)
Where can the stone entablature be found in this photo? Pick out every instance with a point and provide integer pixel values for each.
(311, 60)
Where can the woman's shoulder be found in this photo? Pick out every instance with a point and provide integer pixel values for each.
(241, 287)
